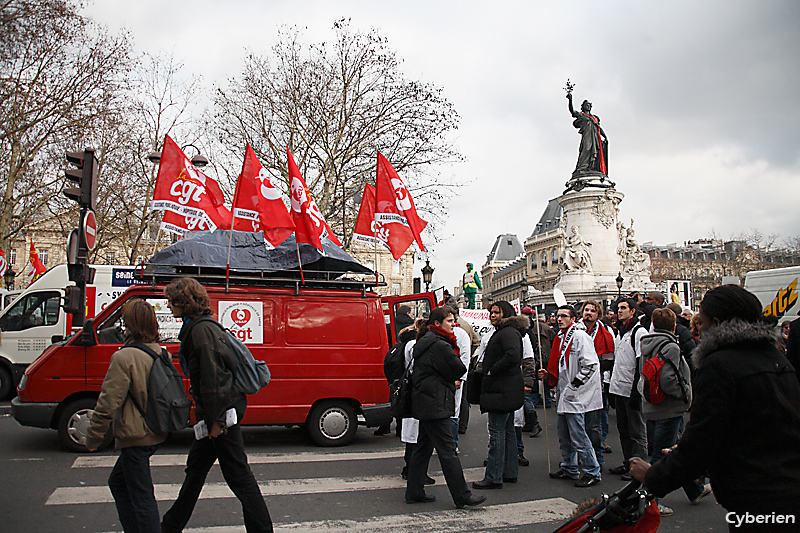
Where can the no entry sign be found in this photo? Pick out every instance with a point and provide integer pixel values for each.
(90, 229)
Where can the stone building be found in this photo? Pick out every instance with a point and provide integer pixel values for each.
(397, 274)
(706, 261)
(544, 249)
(507, 249)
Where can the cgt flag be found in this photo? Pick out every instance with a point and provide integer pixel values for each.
(184, 190)
(395, 209)
(310, 225)
(367, 230)
(35, 266)
(257, 204)
(180, 224)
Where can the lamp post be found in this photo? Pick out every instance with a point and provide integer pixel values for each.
(198, 160)
(8, 277)
(427, 275)
(619, 281)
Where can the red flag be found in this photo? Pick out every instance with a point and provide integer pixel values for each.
(180, 224)
(310, 225)
(183, 189)
(395, 209)
(367, 230)
(35, 266)
(257, 204)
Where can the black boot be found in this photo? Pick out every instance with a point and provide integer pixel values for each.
(531, 421)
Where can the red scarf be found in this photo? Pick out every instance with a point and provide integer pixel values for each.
(449, 337)
(555, 355)
(603, 340)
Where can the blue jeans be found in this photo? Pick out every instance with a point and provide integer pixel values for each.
(575, 444)
(665, 435)
(502, 461)
(520, 444)
(454, 427)
(594, 430)
(132, 488)
(604, 416)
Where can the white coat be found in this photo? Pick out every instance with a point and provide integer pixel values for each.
(589, 396)
(464, 344)
(625, 361)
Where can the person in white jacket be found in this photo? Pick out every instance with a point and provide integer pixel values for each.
(623, 387)
(575, 368)
(465, 347)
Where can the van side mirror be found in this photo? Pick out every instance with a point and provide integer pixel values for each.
(56, 338)
(87, 334)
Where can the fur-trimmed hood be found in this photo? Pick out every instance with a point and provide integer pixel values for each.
(521, 322)
(731, 333)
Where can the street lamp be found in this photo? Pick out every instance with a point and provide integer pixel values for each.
(619, 281)
(198, 160)
(8, 277)
(427, 275)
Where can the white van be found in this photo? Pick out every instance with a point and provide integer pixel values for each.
(6, 297)
(777, 291)
(35, 319)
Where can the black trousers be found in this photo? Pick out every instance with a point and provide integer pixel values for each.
(463, 417)
(631, 427)
(228, 448)
(436, 434)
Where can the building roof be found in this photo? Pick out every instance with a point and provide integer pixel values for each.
(550, 220)
(507, 247)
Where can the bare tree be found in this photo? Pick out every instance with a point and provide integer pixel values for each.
(59, 72)
(335, 105)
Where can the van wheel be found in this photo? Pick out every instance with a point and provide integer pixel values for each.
(332, 423)
(73, 423)
(6, 383)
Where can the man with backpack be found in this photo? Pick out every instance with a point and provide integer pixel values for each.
(124, 386)
(207, 356)
(666, 387)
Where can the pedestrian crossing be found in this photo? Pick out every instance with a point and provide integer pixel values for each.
(485, 518)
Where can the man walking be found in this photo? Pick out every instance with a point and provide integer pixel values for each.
(574, 367)
(204, 355)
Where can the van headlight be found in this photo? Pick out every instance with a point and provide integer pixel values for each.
(23, 382)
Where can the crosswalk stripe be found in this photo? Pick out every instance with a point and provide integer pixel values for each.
(485, 518)
(281, 487)
(107, 461)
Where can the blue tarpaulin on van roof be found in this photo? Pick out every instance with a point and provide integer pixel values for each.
(250, 254)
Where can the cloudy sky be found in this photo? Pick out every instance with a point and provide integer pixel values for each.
(696, 99)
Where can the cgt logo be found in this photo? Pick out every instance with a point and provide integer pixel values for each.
(783, 301)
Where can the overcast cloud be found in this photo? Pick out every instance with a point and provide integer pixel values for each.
(697, 99)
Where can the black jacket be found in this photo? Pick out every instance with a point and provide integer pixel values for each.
(436, 370)
(793, 346)
(503, 390)
(206, 350)
(744, 427)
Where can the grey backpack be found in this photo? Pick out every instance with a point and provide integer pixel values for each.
(168, 406)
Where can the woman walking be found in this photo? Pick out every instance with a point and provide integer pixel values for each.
(437, 367)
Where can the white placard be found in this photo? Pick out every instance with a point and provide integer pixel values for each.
(244, 319)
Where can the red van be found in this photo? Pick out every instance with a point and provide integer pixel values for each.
(324, 345)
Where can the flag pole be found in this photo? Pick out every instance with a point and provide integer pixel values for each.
(544, 403)
(230, 236)
(299, 261)
(375, 245)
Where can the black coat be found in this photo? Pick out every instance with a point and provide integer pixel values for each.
(436, 370)
(744, 427)
(503, 390)
(793, 346)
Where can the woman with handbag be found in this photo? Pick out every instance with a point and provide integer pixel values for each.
(502, 393)
(437, 367)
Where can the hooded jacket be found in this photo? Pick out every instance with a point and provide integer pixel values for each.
(577, 374)
(672, 383)
(627, 360)
(127, 377)
(744, 427)
(433, 381)
(503, 390)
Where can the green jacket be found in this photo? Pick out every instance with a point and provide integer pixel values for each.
(472, 282)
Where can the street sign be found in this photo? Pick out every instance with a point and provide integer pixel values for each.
(72, 247)
(90, 229)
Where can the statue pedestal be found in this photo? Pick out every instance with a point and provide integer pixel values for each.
(590, 215)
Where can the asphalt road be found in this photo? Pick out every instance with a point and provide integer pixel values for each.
(307, 488)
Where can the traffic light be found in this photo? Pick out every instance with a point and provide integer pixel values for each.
(85, 175)
(72, 300)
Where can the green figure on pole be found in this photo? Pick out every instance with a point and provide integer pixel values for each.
(472, 282)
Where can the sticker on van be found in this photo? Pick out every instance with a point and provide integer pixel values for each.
(244, 319)
(784, 300)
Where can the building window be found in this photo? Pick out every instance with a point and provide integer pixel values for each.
(544, 260)
(43, 256)
(13, 256)
(110, 258)
(534, 264)
(396, 290)
(370, 264)
(555, 256)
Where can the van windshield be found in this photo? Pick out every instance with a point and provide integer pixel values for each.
(32, 310)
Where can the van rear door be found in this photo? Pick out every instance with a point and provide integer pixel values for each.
(401, 311)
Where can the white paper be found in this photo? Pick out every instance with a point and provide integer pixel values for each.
(410, 430)
(230, 417)
(200, 430)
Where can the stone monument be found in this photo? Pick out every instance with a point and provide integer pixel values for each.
(597, 246)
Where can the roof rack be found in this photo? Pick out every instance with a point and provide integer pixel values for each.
(317, 279)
